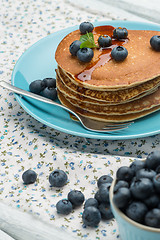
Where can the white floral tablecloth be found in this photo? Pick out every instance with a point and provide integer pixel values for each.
(26, 143)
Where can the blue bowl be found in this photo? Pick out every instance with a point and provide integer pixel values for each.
(129, 229)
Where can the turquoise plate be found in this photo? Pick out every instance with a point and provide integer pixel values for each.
(38, 62)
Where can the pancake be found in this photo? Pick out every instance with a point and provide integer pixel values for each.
(103, 72)
(106, 118)
(105, 97)
(142, 104)
(106, 90)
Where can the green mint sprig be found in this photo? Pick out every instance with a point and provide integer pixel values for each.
(88, 41)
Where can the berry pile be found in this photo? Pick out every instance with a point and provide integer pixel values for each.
(45, 87)
(137, 190)
(95, 209)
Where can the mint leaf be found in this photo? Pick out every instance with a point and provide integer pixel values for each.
(83, 38)
(88, 41)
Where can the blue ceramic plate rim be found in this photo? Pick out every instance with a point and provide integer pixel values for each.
(78, 130)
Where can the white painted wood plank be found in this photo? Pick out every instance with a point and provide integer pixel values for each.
(24, 226)
(4, 236)
(138, 10)
(146, 9)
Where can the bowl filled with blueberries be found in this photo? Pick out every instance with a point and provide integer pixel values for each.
(135, 199)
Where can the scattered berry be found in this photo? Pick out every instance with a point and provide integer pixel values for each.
(76, 197)
(97, 197)
(91, 216)
(91, 202)
(50, 93)
(74, 47)
(64, 206)
(37, 86)
(104, 41)
(85, 54)
(120, 33)
(119, 53)
(104, 192)
(105, 210)
(86, 27)
(29, 176)
(155, 42)
(58, 178)
(104, 179)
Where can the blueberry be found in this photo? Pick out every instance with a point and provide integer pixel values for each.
(137, 165)
(58, 178)
(155, 42)
(104, 41)
(97, 197)
(50, 82)
(74, 47)
(91, 202)
(104, 179)
(145, 173)
(136, 211)
(91, 216)
(120, 33)
(76, 197)
(153, 160)
(156, 182)
(125, 173)
(119, 53)
(119, 184)
(37, 86)
(85, 54)
(50, 93)
(104, 192)
(152, 201)
(152, 218)
(64, 206)
(85, 27)
(158, 169)
(122, 197)
(105, 210)
(29, 176)
(141, 188)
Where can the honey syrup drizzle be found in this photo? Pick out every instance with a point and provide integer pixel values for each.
(105, 55)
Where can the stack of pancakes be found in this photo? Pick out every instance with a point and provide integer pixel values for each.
(106, 90)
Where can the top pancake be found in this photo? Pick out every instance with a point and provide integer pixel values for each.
(142, 63)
